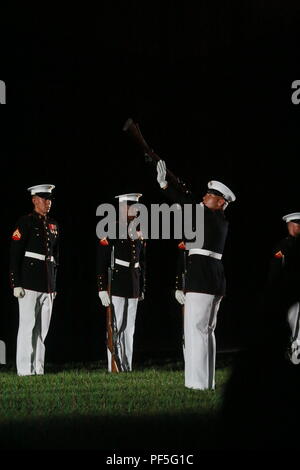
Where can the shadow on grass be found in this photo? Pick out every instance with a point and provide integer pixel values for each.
(156, 433)
(160, 432)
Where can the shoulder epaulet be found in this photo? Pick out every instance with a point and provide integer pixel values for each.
(104, 242)
(16, 235)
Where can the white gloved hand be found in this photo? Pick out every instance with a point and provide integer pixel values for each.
(295, 352)
(161, 173)
(180, 297)
(19, 292)
(104, 297)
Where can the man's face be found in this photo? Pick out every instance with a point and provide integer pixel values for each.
(293, 229)
(41, 206)
(127, 212)
(212, 201)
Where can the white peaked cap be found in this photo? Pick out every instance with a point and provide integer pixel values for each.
(294, 217)
(224, 190)
(133, 197)
(41, 188)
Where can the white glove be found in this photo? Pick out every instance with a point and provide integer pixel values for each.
(104, 297)
(19, 292)
(295, 352)
(180, 297)
(161, 173)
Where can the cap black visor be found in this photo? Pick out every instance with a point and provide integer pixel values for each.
(216, 192)
(44, 195)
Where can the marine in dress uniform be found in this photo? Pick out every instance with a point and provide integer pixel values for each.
(33, 266)
(205, 283)
(284, 276)
(126, 257)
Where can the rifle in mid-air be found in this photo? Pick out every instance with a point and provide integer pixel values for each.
(133, 129)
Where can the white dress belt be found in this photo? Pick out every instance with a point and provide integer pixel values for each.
(30, 254)
(126, 263)
(201, 251)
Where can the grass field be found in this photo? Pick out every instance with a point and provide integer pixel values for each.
(82, 406)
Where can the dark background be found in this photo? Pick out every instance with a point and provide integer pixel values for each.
(211, 90)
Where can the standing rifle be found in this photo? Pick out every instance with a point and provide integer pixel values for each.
(150, 155)
(111, 327)
(183, 289)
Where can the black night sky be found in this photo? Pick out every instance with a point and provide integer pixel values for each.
(211, 90)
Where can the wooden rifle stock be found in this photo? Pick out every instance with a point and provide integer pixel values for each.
(110, 331)
(134, 130)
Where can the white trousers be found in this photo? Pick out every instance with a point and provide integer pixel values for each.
(2, 352)
(35, 310)
(293, 321)
(125, 314)
(200, 318)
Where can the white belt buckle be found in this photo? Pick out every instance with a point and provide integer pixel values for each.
(30, 254)
(125, 263)
(202, 251)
